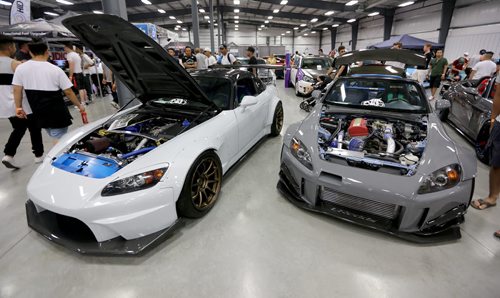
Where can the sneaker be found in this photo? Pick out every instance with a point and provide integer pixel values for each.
(9, 162)
(115, 105)
(39, 159)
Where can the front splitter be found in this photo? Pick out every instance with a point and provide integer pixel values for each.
(45, 223)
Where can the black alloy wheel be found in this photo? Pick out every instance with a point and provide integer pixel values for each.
(480, 145)
(278, 117)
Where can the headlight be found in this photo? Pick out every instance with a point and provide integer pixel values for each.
(308, 79)
(134, 183)
(441, 179)
(300, 152)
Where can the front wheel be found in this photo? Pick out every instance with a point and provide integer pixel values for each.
(277, 120)
(201, 187)
(481, 142)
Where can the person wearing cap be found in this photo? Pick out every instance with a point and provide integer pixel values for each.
(458, 67)
(210, 58)
(484, 68)
(225, 58)
(252, 61)
(201, 59)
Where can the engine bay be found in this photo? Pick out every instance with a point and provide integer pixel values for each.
(120, 141)
(376, 143)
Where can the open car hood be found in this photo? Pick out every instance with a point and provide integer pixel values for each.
(135, 59)
(403, 56)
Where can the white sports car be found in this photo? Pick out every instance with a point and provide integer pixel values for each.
(120, 184)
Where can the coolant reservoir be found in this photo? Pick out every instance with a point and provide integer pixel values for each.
(358, 128)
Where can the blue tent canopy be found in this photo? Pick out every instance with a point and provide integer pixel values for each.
(409, 42)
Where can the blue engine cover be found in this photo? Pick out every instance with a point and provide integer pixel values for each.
(88, 166)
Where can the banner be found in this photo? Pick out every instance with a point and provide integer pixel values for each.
(20, 11)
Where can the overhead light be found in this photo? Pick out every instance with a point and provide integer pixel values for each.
(351, 20)
(282, 34)
(60, 1)
(51, 13)
(305, 34)
(236, 22)
(325, 29)
(176, 28)
(161, 10)
(171, 17)
(184, 29)
(329, 13)
(270, 17)
(406, 3)
(260, 29)
(335, 25)
(147, 2)
(236, 17)
(283, 2)
(266, 21)
(97, 12)
(351, 3)
(236, 29)
(262, 26)
(276, 11)
(289, 32)
(215, 24)
(179, 21)
(236, 26)
(177, 25)
(208, 21)
(295, 28)
(303, 25)
(236, 2)
(314, 20)
(313, 32)
(202, 10)
(236, 10)
(375, 13)
(206, 17)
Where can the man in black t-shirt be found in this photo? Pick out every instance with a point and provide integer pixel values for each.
(421, 73)
(342, 71)
(188, 59)
(252, 61)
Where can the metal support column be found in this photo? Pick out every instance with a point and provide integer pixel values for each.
(333, 37)
(223, 25)
(446, 15)
(354, 35)
(119, 8)
(320, 39)
(195, 23)
(293, 42)
(388, 21)
(219, 24)
(212, 39)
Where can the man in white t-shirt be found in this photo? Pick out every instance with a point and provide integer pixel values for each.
(76, 71)
(200, 59)
(43, 82)
(210, 60)
(8, 108)
(484, 68)
(226, 58)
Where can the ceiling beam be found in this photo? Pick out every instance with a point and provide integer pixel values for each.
(281, 14)
(316, 4)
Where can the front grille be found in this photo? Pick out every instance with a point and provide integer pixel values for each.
(384, 210)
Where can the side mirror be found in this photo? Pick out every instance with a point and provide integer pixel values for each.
(471, 91)
(248, 101)
(442, 104)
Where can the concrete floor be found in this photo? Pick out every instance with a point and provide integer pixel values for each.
(253, 243)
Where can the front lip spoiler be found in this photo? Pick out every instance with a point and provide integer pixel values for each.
(44, 223)
(450, 233)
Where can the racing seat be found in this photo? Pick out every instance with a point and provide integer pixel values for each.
(242, 91)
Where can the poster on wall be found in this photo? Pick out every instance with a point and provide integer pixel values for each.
(20, 11)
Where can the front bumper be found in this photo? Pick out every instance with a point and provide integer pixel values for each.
(75, 235)
(426, 221)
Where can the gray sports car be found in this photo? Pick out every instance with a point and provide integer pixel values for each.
(470, 111)
(373, 152)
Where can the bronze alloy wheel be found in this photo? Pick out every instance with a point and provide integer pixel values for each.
(206, 183)
(279, 118)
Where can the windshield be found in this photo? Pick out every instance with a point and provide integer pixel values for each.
(365, 93)
(312, 63)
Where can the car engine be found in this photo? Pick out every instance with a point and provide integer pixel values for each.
(390, 145)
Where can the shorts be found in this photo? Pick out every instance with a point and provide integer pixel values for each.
(435, 81)
(56, 133)
(493, 146)
(79, 81)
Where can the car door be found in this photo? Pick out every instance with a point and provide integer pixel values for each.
(250, 119)
(481, 108)
(461, 109)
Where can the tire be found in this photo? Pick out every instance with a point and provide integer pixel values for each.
(201, 187)
(277, 120)
(481, 140)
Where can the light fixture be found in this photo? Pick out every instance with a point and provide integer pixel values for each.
(325, 29)
(351, 20)
(236, 2)
(283, 2)
(97, 12)
(51, 13)
(177, 25)
(351, 3)
(5, 3)
(305, 34)
(313, 32)
(270, 17)
(236, 26)
(215, 24)
(375, 13)
(176, 28)
(314, 20)
(236, 10)
(335, 25)
(171, 17)
(63, 2)
(262, 26)
(147, 2)
(295, 28)
(303, 25)
(206, 17)
(236, 22)
(236, 17)
(329, 13)
(406, 3)
(236, 29)
(184, 29)
(202, 10)
(289, 32)
(161, 10)
(208, 21)
(266, 21)
(179, 21)
(276, 11)
(260, 29)
(282, 34)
